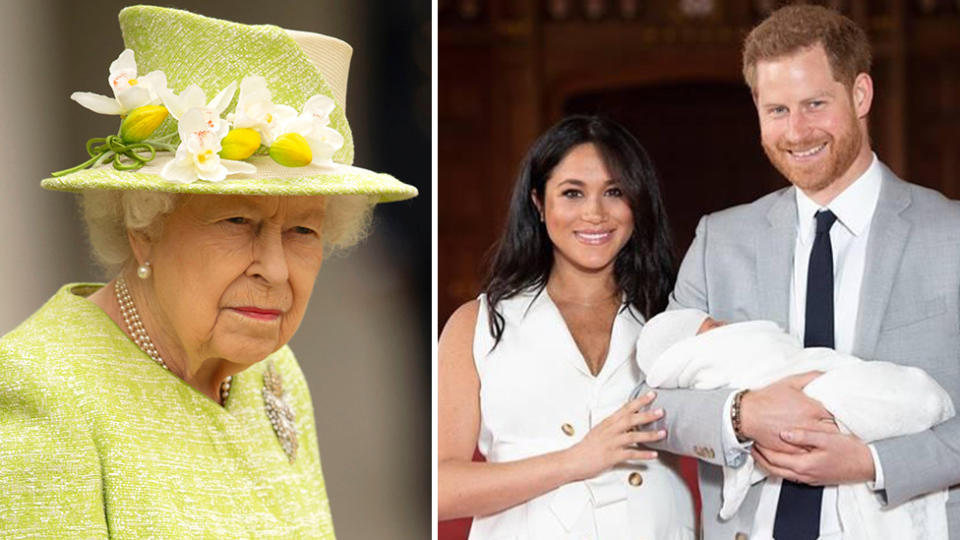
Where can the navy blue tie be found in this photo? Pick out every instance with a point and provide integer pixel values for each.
(798, 510)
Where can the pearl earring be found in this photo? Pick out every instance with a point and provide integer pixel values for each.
(143, 271)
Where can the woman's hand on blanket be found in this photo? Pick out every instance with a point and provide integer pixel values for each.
(830, 458)
(615, 439)
(782, 405)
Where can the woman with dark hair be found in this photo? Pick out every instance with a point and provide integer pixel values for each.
(536, 371)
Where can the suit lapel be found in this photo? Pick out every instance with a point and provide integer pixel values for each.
(775, 247)
(888, 238)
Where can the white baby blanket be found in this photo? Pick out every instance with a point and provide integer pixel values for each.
(872, 400)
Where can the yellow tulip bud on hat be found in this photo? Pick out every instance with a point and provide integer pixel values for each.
(142, 122)
(240, 143)
(291, 150)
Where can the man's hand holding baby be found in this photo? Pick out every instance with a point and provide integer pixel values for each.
(796, 438)
(768, 411)
(827, 459)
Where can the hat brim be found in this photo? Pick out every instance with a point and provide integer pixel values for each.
(270, 179)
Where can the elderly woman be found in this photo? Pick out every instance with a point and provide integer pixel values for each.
(166, 402)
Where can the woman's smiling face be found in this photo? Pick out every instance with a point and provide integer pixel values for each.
(232, 275)
(587, 216)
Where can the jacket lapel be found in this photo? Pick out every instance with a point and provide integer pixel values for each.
(775, 247)
(623, 341)
(888, 238)
(548, 321)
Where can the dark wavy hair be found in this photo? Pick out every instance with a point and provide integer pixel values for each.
(522, 258)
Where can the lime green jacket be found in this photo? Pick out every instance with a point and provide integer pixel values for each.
(97, 440)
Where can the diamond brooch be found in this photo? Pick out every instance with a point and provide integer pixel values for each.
(279, 411)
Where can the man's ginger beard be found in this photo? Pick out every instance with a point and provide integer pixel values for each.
(815, 177)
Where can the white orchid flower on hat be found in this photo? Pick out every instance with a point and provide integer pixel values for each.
(129, 91)
(314, 125)
(201, 131)
(256, 110)
(194, 97)
(319, 108)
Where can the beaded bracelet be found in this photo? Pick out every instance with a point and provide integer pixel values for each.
(735, 418)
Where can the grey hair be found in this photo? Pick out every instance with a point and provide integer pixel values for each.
(110, 214)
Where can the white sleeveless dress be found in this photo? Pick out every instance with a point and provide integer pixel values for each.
(537, 396)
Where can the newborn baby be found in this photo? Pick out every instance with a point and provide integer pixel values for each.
(872, 400)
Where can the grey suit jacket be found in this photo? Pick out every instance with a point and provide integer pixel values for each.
(739, 268)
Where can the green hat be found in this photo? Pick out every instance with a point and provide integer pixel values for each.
(187, 129)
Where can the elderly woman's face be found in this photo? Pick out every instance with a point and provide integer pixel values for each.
(232, 275)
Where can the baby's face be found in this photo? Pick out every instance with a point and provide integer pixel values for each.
(709, 324)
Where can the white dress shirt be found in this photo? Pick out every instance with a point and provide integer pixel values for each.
(854, 208)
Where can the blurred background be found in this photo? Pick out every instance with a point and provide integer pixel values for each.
(365, 342)
(670, 71)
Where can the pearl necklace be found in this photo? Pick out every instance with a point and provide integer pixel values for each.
(131, 317)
